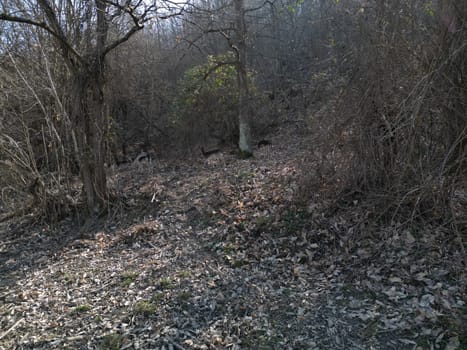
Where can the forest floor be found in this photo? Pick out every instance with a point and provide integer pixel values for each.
(219, 254)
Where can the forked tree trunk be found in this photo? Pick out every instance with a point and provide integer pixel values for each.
(86, 105)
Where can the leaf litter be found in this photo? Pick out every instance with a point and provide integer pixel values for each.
(219, 255)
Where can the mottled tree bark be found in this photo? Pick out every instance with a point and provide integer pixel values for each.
(87, 114)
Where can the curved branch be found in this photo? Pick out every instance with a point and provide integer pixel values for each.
(121, 40)
(62, 39)
(43, 25)
(138, 22)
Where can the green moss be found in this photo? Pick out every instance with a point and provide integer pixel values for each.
(166, 283)
(245, 175)
(112, 342)
(294, 220)
(127, 278)
(240, 226)
(81, 309)
(463, 341)
(144, 307)
(245, 154)
(157, 297)
(68, 278)
(455, 328)
(184, 274)
(238, 263)
(262, 224)
(370, 329)
(229, 248)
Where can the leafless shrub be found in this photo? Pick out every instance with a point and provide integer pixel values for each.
(35, 163)
(399, 135)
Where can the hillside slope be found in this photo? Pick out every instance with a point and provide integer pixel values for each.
(216, 254)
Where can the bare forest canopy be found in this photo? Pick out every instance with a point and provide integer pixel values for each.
(86, 85)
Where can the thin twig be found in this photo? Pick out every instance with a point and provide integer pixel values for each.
(11, 328)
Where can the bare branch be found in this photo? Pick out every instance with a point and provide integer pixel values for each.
(62, 39)
(43, 25)
(121, 40)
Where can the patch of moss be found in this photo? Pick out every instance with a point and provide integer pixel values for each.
(81, 308)
(144, 307)
(294, 220)
(184, 296)
(229, 248)
(238, 263)
(370, 329)
(463, 341)
(206, 219)
(240, 226)
(262, 224)
(166, 283)
(245, 175)
(455, 328)
(184, 274)
(245, 154)
(127, 278)
(157, 297)
(424, 342)
(112, 341)
(69, 278)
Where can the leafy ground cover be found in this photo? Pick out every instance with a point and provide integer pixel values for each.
(217, 254)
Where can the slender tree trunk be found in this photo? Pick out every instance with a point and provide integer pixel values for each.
(243, 99)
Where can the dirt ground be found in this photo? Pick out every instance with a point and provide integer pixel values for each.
(218, 253)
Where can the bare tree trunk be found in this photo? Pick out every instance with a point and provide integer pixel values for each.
(83, 50)
(243, 99)
(87, 111)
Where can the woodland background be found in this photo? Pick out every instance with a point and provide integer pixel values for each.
(235, 174)
(381, 84)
